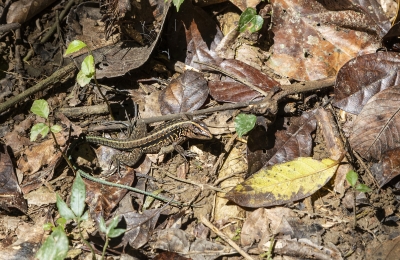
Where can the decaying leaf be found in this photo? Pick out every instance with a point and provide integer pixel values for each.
(388, 168)
(176, 240)
(376, 128)
(312, 42)
(361, 78)
(283, 183)
(10, 192)
(185, 93)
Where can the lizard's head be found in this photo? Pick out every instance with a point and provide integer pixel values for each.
(199, 130)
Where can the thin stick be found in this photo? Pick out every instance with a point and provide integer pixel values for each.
(224, 237)
(287, 90)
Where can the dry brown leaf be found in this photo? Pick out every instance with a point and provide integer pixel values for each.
(361, 78)
(312, 42)
(376, 128)
(186, 93)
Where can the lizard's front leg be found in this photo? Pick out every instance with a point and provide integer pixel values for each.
(170, 148)
(129, 159)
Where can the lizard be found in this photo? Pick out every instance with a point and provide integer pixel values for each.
(162, 139)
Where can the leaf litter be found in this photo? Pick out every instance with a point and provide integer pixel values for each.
(302, 41)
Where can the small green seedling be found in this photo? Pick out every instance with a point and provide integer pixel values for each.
(110, 231)
(41, 108)
(88, 70)
(250, 20)
(244, 123)
(352, 178)
(56, 245)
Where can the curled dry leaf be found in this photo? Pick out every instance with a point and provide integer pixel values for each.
(387, 168)
(361, 78)
(312, 42)
(229, 90)
(376, 128)
(291, 143)
(185, 93)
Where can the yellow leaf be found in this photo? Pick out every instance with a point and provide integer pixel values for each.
(283, 183)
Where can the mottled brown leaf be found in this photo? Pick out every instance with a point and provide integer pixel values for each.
(376, 128)
(140, 227)
(288, 144)
(388, 168)
(185, 93)
(229, 90)
(176, 240)
(10, 192)
(312, 42)
(361, 78)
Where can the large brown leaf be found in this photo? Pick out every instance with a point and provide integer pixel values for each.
(361, 78)
(312, 42)
(185, 93)
(376, 129)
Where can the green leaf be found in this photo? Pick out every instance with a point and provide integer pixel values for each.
(85, 216)
(244, 123)
(55, 247)
(249, 20)
(40, 107)
(116, 232)
(102, 225)
(61, 222)
(55, 128)
(82, 79)
(48, 226)
(363, 188)
(177, 4)
(39, 128)
(78, 194)
(87, 67)
(63, 209)
(111, 231)
(352, 177)
(75, 46)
